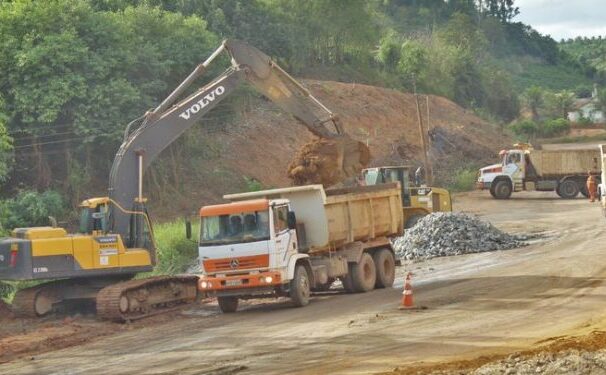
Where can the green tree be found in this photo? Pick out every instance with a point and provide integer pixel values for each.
(560, 103)
(6, 146)
(525, 128)
(413, 61)
(534, 99)
(73, 77)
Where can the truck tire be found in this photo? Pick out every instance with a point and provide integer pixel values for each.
(568, 189)
(347, 281)
(228, 304)
(502, 189)
(386, 268)
(364, 274)
(300, 287)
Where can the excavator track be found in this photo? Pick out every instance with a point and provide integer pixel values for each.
(137, 299)
(37, 300)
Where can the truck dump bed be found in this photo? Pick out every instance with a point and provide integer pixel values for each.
(566, 161)
(334, 218)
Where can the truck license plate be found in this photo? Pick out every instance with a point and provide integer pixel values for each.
(233, 282)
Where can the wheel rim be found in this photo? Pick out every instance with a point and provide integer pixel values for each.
(304, 286)
(502, 190)
(569, 189)
(42, 304)
(124, 304)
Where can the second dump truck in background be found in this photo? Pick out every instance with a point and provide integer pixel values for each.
(288, 242)
(560, 168)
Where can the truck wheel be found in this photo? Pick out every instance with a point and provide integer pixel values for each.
(568, 189)
(228, 304)
(299, 287)
(364, 274)
(412, 221)
(386, 268)
(492, 192)
(502, 189)
(347, 281)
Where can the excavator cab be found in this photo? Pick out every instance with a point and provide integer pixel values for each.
(94, 216)
(417, 201)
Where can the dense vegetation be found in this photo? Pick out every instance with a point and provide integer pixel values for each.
(588, 54)
(75, 72)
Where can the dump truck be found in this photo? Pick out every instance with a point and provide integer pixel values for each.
(560, 168)
(417, 201)
(293, 241)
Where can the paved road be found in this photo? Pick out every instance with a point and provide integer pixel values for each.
(476, 304)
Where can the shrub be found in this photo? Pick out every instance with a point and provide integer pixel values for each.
(30, 208)
(555, 127)
(524, 128)
(464, 180)
(174, 252)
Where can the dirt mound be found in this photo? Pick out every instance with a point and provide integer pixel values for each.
(262, 140)
(328, 161)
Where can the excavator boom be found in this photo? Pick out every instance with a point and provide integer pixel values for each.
(163, 125)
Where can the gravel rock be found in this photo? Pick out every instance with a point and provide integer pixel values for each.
(567, 362)
(452, 233)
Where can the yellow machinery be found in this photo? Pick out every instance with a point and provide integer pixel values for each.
(417, 201)
(115, 240)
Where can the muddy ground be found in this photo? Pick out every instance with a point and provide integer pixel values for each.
(476, 309)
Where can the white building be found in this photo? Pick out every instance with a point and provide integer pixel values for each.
(586, 108)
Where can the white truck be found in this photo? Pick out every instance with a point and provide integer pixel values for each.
(560, 168)
(292, 241)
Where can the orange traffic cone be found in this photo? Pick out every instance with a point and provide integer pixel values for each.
(407, 294)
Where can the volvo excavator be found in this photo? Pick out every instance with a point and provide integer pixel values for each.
(115, 239)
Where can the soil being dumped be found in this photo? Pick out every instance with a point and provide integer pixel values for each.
(328, 161)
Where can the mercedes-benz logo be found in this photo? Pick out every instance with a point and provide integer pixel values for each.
(234, 263)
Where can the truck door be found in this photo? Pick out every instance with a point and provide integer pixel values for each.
(283, 238)
(514, 166)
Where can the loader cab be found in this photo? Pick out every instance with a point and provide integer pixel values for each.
(94, 216)
(383, 175)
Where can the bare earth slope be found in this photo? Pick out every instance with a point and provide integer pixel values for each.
(264, 140)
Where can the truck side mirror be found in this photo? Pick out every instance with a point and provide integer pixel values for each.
(292, 220)
(188, 229)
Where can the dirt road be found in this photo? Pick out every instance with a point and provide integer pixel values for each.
(476, 304)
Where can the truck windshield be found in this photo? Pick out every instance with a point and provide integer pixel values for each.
(234, 228)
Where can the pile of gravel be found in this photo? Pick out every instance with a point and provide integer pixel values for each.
(452, 233)
(568, 362)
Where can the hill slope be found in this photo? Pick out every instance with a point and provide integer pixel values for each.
(261, 142)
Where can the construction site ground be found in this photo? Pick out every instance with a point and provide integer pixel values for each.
(472, 309)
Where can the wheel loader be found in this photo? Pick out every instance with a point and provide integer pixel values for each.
(115, 238)
(417, 201)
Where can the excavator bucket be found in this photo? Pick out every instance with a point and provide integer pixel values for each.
(329, 161)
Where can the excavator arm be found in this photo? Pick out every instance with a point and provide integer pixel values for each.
(163, 125)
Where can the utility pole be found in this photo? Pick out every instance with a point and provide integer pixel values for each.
(423, 134)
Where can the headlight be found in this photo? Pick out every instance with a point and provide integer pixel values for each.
(268, 279)
(204, 284)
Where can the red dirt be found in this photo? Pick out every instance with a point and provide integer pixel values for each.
(328, 161)
(263, 141)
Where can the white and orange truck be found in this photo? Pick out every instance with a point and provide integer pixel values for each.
(293, 241)
(560, 168)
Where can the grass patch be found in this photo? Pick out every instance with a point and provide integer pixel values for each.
(174, 252)
(464, 180)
